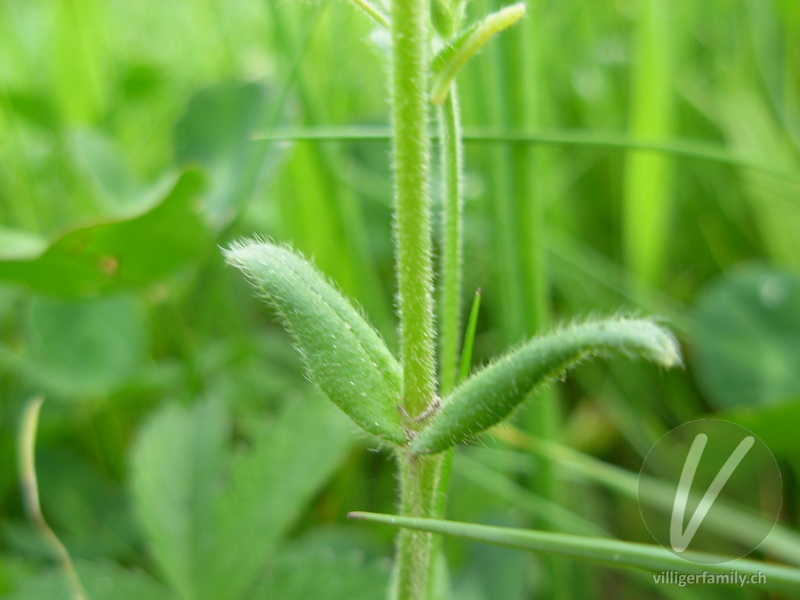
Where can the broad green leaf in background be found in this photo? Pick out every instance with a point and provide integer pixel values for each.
(746, 333)
(89, 510)
(491, 394)
(216, 131)
(102, 581)
(177, 479)
(312, 571)
(215, 516)
(99, 158)
(770, 424)
(117, 254)
(344, 354)
(492, 572)
(270, 486)
(82, 346)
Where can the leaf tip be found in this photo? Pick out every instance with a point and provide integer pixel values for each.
(671, 354)
(516, 11)
(664, 349)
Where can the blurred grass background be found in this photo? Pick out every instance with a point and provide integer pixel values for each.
(637, 155)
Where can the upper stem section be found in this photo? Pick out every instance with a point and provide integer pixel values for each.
(412, 227)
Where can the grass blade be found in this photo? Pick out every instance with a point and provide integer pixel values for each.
(469, 337)
(683, 148)
(611, 552)
(647, 194)
(728, 522)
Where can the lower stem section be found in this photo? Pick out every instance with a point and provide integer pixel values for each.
(421, 482)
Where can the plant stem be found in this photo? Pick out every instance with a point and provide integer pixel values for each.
(419, 476)
(410, 41)
(450, 308)
(420, 482)
(451, 155)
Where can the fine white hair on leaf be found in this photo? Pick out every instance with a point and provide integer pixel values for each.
(343, 353)
(492, 393)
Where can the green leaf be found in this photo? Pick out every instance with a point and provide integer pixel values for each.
(770, 424)
(102, 581)
(177, 471)
(119, 254)
(83, 347)
(345, 356)
(270, 486)
(490, 395)
(102, 163)
(606, 551)
(746, 327)
(449, 61)
(337, 575)
(90, 512)
(213, 517)
(216, 131)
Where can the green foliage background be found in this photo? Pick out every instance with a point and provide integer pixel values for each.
(642, 154)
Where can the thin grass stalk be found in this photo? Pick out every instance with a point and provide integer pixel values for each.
(690, 149)
(647, 203)
(525, 171)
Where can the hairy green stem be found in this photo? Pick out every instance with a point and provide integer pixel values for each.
(452, 239)
(419, 476)
(420, 481)
(410, 42)
(451, 156)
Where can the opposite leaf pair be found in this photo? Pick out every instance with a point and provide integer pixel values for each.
(349, 361)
